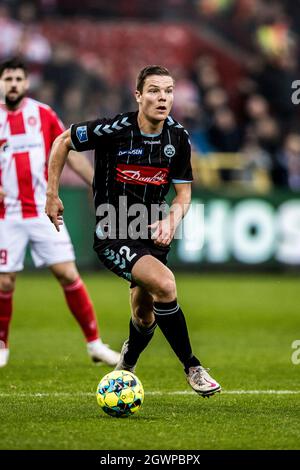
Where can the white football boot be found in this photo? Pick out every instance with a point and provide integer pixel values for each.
(100, 352)
(4, 355)
(202, 382)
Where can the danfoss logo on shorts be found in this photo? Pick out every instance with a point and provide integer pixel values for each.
(135, 174)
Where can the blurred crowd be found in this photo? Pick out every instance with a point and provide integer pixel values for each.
(254, 115)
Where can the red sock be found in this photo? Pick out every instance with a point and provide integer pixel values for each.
(81, 306)
(5, 315)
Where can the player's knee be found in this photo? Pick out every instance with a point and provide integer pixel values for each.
(68, 278)
(144, 317)
(166, 291)
(7, 282)
(66, 274)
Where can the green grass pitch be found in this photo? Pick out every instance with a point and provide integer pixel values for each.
(242, 327)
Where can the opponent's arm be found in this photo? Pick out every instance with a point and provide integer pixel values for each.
(58, 156)
(165, 229)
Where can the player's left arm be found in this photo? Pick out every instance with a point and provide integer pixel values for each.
(164, 230)
(182, 177)
(180, 204)
(80, 164)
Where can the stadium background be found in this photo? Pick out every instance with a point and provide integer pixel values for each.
(234, 62)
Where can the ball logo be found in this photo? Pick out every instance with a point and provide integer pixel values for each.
(169, 151)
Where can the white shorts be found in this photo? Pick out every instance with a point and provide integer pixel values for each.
(47, 246)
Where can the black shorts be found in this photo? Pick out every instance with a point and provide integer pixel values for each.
(119, 256)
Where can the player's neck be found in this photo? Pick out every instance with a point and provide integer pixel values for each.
(149, 127)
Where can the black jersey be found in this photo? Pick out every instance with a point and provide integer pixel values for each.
(132, 164)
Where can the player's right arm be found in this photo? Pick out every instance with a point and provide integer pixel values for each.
(58, 156)
(80, 137)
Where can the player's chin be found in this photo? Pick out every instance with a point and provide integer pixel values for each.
(161, 115)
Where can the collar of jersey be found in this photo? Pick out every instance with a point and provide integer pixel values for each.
(149, 135)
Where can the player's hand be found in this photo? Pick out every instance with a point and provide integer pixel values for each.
(2, 194)
(162, 232)
(54, 210)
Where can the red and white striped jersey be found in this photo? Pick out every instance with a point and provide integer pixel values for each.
(26, 137)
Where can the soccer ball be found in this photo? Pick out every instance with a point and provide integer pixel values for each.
(120, 393)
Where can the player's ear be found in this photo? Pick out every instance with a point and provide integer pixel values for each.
(27, 84)
(138, 96)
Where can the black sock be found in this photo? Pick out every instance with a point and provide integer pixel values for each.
(171, 321)
(139, 338)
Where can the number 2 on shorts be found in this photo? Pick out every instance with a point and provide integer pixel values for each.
(125, 250)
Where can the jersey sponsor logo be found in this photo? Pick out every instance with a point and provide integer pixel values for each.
(169, 150)
(25, 147)
(81, 133)
(142, 175)
(137, 152)
(3, 145)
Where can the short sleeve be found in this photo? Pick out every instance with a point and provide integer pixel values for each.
(57, 126)
(86, 135)
(181, 169)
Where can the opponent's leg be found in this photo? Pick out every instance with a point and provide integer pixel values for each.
(13, 243)
(81, 306)
(7, 286)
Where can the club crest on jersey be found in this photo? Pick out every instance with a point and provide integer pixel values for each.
(32, 121)
(3, 145)
(169, 150)
(81, 133)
